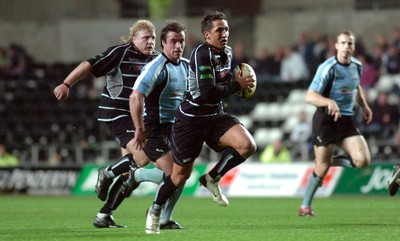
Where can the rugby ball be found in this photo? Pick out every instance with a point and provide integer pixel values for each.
(246, 70)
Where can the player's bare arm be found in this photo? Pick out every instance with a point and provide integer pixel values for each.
(316, 99)
(136, 102)
(62, 91)
(367, 112)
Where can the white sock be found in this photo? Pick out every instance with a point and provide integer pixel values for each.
(102, 215)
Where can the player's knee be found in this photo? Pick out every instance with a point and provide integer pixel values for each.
(249, 147)
(180, 179)
(361, 160)
(139, 157)
(142, 162)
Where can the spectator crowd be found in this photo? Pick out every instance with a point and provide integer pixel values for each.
(14, 61)
(279, 70)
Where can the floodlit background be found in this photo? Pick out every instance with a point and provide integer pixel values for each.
(53, 36)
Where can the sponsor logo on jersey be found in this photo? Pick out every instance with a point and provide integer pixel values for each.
(346, 90)
(206, 76)
(135, 68)
(176, 93)
(203, 68)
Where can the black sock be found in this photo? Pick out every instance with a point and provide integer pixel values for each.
(230, 159)
(122, 165)
(115, 197)
(167, 188)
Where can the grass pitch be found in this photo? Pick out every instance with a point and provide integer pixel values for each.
(26, 218)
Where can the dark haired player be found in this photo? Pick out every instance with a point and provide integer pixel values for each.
(201, 118)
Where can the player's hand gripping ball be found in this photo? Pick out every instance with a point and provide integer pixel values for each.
(245, 71)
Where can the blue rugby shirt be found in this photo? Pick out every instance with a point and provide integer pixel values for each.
(338, 82)
(163, 83)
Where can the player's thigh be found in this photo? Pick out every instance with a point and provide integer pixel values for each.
(187, 141)
(165, 163)
(124, 151)
(122, 131)
(357, 148)
(239, 138)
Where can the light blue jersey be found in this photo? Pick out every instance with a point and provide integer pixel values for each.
(163, 83)
(338, 82)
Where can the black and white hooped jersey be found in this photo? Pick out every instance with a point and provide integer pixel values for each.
(210, 80)
(121, 65)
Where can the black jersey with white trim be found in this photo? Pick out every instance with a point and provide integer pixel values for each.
(121, 65)
(210, 80)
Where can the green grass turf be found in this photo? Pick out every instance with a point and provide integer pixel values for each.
(26, 218)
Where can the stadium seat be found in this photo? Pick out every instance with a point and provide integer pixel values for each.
(265, 136)
(296, 108)
(260, 112)
(285, 110)
(296, 96)
(396, 79)
(246, 120)
(289, 124)
(385, 83)
(371, 94)
(393, 99)
(310, 110)
(267, 112)
(274, 112)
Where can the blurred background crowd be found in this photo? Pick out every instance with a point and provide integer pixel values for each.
(38, 130)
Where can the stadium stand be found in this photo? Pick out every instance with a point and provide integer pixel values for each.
(46, 132)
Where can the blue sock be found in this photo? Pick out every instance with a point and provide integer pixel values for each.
(153, 175)
(314, 182)
(342, 161)
(166, 213)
